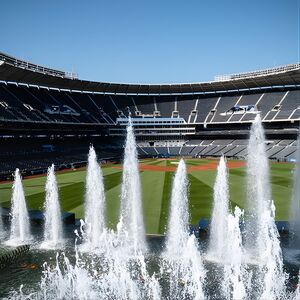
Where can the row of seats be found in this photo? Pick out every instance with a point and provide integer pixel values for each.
(28, 162)
(19, 102)
(276, 149)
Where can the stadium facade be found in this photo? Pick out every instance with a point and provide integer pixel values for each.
(48, 115)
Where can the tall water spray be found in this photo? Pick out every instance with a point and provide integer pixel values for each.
(258, 190)
(218, 226)
(94, 201)
(225, 239)
(178, 234)
(181, 257)
(131, 226)
(118, 272)
(53, 234)
(20, 226)
(234, 277)
(262, 236)
(295, 204)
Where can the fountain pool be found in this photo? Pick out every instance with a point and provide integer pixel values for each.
(249, 262)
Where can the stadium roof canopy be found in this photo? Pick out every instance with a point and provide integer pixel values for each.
(19, 71)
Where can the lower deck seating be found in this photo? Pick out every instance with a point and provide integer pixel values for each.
(276, 149)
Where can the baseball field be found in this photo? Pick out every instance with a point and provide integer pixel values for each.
(156, 178)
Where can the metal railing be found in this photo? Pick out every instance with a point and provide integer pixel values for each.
(270, 71)
(35, 68)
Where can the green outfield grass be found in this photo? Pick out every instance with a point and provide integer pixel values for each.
(156, 186)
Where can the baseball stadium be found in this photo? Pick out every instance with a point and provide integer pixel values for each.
(150, 150)
(49, 116)
(171, 191)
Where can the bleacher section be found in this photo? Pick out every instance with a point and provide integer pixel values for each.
(204, 107)
(276, 149)
(185, 106)
(224, 104)
(166, 106)
(287, 106)
(41, 105)
(35, 155)
(144, 104)
(32, 104)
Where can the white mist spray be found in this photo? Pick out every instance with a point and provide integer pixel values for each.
(233, 286)
(94, 201)
(218, 227)
(53, 234)
(131, 229)
(262, 235)
(181, 257)
(226, 239)
(20, 226)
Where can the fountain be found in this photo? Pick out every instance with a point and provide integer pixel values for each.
(120, 267)
(97, 280)
(116, 268)
(131, 230)
(258, 190)
(262, 238)
(181, 258)
(235, 277)
(53, 233)
(20, 226)
(94, 201)
(178, 234)
(218, 226)
(225, 239)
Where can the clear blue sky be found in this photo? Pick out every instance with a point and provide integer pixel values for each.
(151, 41)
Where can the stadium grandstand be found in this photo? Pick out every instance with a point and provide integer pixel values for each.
(63, 115)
